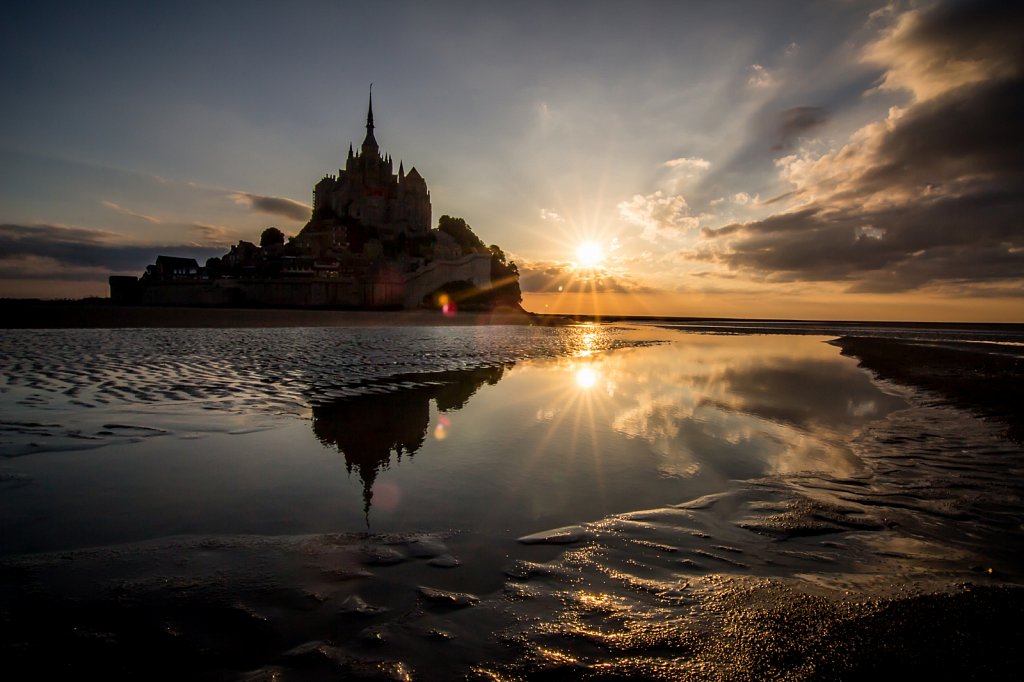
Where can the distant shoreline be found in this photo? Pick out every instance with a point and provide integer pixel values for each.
(101, 313)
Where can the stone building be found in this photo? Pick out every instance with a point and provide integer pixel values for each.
(368, 190)
(368, 244)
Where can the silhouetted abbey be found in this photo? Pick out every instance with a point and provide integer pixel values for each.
(369, 191)
(368, 243)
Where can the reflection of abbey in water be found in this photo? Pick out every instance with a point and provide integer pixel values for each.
(370, 428)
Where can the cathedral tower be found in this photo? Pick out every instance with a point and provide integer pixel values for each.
(368, 190)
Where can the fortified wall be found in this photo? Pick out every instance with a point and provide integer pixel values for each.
(386, 289)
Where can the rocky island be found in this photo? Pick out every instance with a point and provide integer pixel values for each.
(367, 245)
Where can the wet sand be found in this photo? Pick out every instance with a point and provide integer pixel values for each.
(799, 577)
(984, 378)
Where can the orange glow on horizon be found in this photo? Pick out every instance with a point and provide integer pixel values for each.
(919, 307)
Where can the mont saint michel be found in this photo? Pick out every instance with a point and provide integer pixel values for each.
(368, 244)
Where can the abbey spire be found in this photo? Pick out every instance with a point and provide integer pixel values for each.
(368, 191)
(370, 143)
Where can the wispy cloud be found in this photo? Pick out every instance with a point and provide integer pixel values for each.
(688, 164)
(760, 77)
(117, 208)
(551, 216)
(279, 206)
(213, 234)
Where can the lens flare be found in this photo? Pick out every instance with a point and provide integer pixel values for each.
(447, 305)
(441, 430)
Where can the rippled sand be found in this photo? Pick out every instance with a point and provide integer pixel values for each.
(901, 556)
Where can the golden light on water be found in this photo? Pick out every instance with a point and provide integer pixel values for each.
(586, 377)
(586, 345)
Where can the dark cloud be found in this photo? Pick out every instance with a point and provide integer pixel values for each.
(73, 250)
(563, 277)
(798, 122)
(983, 33)
(933, 196)
(973, 132)
(973, 238)
(273, 205)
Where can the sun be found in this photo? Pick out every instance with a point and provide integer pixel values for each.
(589, 255)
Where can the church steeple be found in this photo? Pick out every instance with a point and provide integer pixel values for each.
(370, 143)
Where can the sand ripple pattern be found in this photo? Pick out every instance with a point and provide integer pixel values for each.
(279, 369)
(747, 583)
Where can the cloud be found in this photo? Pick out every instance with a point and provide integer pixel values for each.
(44, 268)
(58, 252)
(798, 122)
(931, 195)
(214, 234)
(742, 198)
(659, 215)
(279, 206)
(690, 165)
(124, 211)
(543, 112)
(551, 216)
(761, 77)
(932, 52)
(555, 276)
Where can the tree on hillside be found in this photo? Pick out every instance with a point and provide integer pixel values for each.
(504, 290)
(271, 236)
(462, 233)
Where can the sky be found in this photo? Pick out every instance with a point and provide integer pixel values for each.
(830, 159)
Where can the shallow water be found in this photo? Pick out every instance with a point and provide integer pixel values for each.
(320, 486)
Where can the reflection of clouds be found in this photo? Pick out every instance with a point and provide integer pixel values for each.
(742, 407)
(805, 392)
(658, 421)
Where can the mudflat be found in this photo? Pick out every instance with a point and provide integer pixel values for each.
(507, 502)
(982, 377)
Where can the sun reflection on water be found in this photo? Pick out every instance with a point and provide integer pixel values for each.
(586, 377)
(587, 342)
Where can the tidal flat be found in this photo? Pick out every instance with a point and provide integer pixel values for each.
(508, 502)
